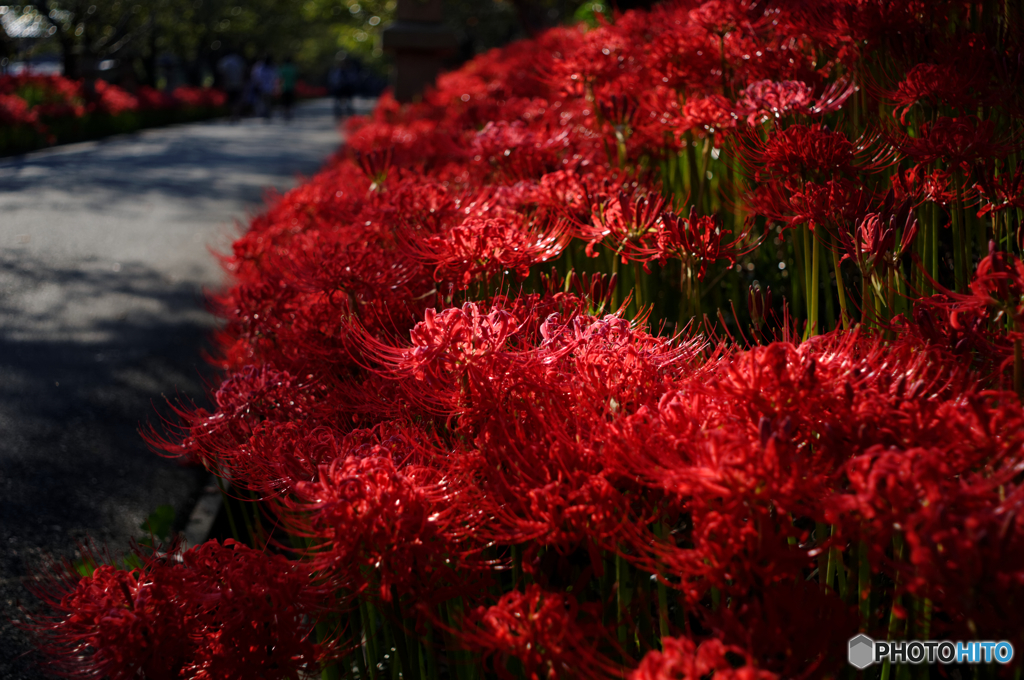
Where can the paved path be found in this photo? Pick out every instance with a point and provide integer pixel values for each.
(103, 260)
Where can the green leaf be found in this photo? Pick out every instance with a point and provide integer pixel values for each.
(160, 522)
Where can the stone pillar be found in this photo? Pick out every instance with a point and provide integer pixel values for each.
(419, 42)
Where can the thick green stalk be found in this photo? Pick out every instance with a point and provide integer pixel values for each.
(638, 288)
(355, 619)
(660, 530)
(645, 624)
(620, 603)
(819, 535)
(370, 632)
(702, 178)
(841, 288)
(798, 277)
(841, 573)
(933, 262)
(226, 502)
(432, 672)
(331, 672)
(410, 669)
(864, 585)
(867, 302)
(897, 550)
(815, 287)
(960, 245)
(1018, 368)
(830, 569)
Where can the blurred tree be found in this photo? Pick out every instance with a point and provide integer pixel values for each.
(194, 33)
(92, 31)
(200, 32)
(144, 36)
(355, 25)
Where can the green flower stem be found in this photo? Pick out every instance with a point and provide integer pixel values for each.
(960, 244)
(410, 669)
(370, 633)
(867, 302)
(331, 672)
(432, 672)
(819, 534)
(841, 573)
(226, 502)
(897, 551)
(449, 642)
(933, 252)
(841, 288)
(620, 604)
(814, 281)
(864, 585)
(1018, 368)
(798, 278)
(661, 531)
(638, 292)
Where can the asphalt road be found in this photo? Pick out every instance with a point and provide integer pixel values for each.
(104, 257)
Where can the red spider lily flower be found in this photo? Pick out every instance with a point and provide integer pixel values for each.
(213, 612)
(956, 141)
(254, 614)
(937, 84)
(619, 110)
(872, 246)
(1003, 192)
(683, 659)
(765, 99)
(548, 632)
(770, 621)
(699, 241)
(15, 111)
(531, 150)
(815, 153)
(116, 623)
(443, 342)
(998, 284)
(481, 248)
(709, 114)
(794, 202)
(918, 185)
(625, 224)
(373, 525)
(721, 17)
(112, 100)
(375, 165)
(966, 323)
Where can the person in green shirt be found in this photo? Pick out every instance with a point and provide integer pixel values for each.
(287, 74)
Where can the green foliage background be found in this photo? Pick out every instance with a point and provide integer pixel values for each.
(143, 36)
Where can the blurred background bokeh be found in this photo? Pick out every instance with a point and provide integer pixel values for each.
(166, 43)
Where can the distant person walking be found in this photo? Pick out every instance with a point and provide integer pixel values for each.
(232, 72)
(264, 77)
(288, 75)
(343, 80)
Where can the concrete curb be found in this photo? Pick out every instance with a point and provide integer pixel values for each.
(200, 522)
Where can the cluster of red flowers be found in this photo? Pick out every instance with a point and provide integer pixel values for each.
(215, 611)
(37, 103)
(491, 376)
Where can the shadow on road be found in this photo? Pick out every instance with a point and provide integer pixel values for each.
(103, 256)
(72, 464)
